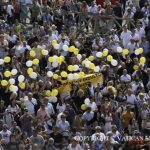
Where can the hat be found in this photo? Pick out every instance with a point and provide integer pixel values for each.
(97, 128)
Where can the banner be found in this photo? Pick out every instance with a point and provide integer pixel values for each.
(82, 82)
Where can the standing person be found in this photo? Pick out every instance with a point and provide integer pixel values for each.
(3, 46)
(26, 122)
(42, 113)
(125, 36)
(84, 11)
(127, 118)
(5, 134)
(30, 103)
(37, 139)
(35, 11)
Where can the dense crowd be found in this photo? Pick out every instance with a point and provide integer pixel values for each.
(44, 43)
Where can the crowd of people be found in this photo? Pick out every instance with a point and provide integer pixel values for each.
(44, 43)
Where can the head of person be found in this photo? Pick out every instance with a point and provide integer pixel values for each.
(88, 109)
(30, 96)
(98, 129)
(5, 127)
(125, 72)
(129, 91)
(42, 106)
(63, 118)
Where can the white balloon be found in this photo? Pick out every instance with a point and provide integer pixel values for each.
(55, 64)
(49, 73)
(79, 56)
(15, 88)
(33, 75)
(87, 63)
(65, 47)
(76, 76)
(97, 69)
(55, 57)
(119, 49)
(87, 101)
(21, 78)
(12, 81)
(44, 52)
(56, 46)
(99, 54)
(54, 99)
(76, 67)
(77, 44)
(1, 61)
(14, 72)
(114, 62)
(137, 52)
(105, 49)
(70, 76)
(29, 63)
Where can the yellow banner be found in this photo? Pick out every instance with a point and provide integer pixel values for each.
(82, 82)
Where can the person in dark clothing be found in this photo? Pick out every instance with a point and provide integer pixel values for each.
(138, 14)
(118, 13)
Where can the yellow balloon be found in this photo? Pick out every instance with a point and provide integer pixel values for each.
(76, 51)
(136, 67)
(50, 59)
(105, 53)
(64, 74)
(7, 74)
(125, 51)
(83, 62)
(7, 59)
(29, 71)
(53, 42)
(22, 85)
(55, 76)
(32, 53)
(109, 58)
(4, 83)
(48, 93)
(83, 107)
(140, 50)
(81, 74)
(142, 60)
(91, 58)
(11, 87)
(71, 49)
(58, 60)
(91, 66)
(62, 58)
(70, 68)
(54, 92)
(35, 61)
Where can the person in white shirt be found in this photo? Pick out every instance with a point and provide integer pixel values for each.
(30, 103)
(114, 40)
(52, 36)
(49, 106)
(131, 46)
(101, 135)
(140, 31)
(93, 8)
(74, 145)
(126, 78)
(88, 115)
(63, 125)
(135, 36)
(131, 98)
(5, 134)
(9, 10)
(125, 36)
(61, 106)
(92, 104)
